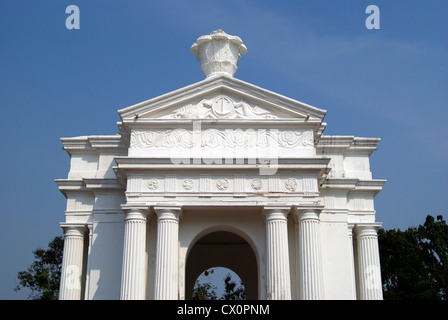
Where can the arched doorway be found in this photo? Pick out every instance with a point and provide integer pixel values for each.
(222, 249)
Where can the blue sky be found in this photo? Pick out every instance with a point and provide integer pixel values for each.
(54, 82)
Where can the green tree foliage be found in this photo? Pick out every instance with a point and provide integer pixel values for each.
(414, 261)
(205, 290)
(43, 276)
(232, 292)
(434, 238)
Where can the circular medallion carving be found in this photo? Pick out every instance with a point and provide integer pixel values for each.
(291, 184)
(222, 106)
(257, 184)
(222, 184)
(153, 184)
(188, 184)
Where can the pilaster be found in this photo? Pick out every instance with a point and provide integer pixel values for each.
(352, 259)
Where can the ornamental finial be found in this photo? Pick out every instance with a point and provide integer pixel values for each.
(218, 53)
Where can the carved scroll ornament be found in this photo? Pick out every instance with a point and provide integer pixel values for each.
(221, 107)
(182, 138)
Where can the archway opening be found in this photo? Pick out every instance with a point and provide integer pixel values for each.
(219, 283)
(226, 250)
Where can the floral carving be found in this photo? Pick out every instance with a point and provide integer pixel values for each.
(291, 184)
(221, 138)
(153, 184)
(257, 184)
(188, 184)
(222, 184)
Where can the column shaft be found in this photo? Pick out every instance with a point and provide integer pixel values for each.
(167, 255)
(277, 254)
(369, 270)
(72, 263)
(133, 279)
(310, 265)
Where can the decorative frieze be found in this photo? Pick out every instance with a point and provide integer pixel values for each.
(236, 185)
(205, 185)
(221, 138)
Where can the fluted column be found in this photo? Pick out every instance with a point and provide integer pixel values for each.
(72, 262)
(310, 256)
(277, 253)
(167, 253)
(133, 278)
(368, 259)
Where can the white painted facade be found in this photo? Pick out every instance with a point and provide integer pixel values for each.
(220, 173)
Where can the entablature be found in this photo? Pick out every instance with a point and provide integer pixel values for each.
(151, 179)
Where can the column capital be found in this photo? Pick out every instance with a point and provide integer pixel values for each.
(367, 229)
(135, 211)
(73, 229)
(168, 211)
(126, 207)
(276, 212)
(307, 212)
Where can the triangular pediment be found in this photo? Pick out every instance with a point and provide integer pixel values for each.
(221, 97)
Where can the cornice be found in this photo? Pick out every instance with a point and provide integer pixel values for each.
(373, 186)
(66, 186)
(347, 144)
(145, 164)
(341, 184)
(254, 123)
(93, 143)
(103, 184)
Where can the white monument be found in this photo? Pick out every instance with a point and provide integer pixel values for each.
(220, 173)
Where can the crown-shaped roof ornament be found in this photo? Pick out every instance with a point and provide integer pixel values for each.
(218, 52)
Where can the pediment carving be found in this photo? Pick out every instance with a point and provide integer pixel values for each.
(221, 107)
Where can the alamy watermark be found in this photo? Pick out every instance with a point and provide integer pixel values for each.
(73, 21)
(253, 147)
(373, 20)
